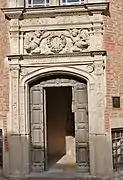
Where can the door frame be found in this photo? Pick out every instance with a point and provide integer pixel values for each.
(57, 83)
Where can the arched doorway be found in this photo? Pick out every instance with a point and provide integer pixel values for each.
(59, 123)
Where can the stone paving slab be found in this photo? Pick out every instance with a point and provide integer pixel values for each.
(64, 176)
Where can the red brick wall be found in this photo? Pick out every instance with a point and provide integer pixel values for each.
(113, 43)
(4, 76)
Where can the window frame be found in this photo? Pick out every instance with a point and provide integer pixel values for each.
(117, 146)
(116, 102)
(61, 3)
(32, 5)
(71, 3)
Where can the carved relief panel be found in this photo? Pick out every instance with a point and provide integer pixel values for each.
(46, 42)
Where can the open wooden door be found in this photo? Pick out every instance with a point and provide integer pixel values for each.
(37, 128)
(79, 106)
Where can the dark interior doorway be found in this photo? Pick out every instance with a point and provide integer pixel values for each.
(60, 130)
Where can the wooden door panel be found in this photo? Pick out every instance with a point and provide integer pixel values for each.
(36, 119)
(37, 155)
(80, 103)
(82, 159)
(37, 135)
(36, 97)
(82, 154)
(81, 135)
(81, 115)
(81, 96)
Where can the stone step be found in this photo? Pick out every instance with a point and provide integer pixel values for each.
(82, 178)
(64, 176)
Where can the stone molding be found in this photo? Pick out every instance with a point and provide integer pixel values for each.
(34, 56)
(89, 8)
(28, 64)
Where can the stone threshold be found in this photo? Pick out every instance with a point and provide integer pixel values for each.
(63, 175)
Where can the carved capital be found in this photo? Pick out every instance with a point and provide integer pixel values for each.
(14, 67)
(99, 68)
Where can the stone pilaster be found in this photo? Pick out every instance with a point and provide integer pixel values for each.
(101, 148)
(14, 98)
(14, 123)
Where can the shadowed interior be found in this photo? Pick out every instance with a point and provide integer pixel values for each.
(60, 128)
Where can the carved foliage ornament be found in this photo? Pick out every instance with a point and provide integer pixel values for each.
(56, 41)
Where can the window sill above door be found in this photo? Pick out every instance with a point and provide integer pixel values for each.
(52, 11)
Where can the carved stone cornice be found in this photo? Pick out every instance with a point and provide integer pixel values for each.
(75, 54)
(13, 13)
(89, 8)
(15, 57)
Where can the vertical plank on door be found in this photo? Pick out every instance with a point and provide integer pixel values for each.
(37, 128)
(80, 104)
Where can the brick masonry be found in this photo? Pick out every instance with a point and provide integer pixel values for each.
(4, 75)
(113, 43)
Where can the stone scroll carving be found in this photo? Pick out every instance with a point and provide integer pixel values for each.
(44, 42)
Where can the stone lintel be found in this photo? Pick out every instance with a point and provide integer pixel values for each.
(75, 54)
(88, 8)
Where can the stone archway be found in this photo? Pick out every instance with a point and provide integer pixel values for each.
(19, 112)
(70, 105)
